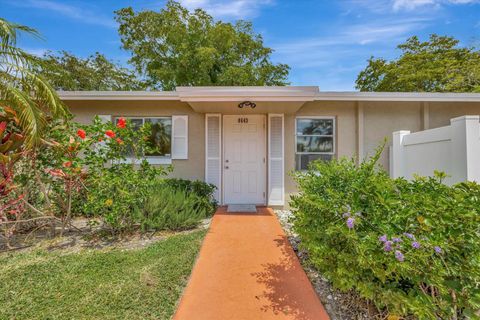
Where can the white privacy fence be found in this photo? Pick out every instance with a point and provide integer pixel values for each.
(454, 149)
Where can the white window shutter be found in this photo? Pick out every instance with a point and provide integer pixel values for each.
(105, 117)
(213, 152)
(179, 137)
(276, 180)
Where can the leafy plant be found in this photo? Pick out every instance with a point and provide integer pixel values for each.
(411, 247)
(96, 169)
(203, 190)
(22, 89)
(175, 208)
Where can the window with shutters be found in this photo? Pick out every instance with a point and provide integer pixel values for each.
(160, 137)
(314, 139)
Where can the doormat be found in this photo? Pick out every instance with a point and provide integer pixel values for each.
(242, 208)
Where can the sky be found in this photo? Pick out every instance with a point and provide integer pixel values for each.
(326, 43)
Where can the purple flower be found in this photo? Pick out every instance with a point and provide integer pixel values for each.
(387, 246)
(346, 214)
(437, 249)
(382, 238)
(396, 240)
(416, 245)
(350, 223)
(409, 235)
(399, 256)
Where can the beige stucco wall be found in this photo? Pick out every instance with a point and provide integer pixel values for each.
(194, 167)
(382, 119)
(442, 112)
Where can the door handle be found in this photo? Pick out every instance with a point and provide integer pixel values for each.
(226, 167)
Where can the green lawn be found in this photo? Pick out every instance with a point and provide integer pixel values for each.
(132, 284)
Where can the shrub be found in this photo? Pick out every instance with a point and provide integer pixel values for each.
(412, 247)
(85, 169)
(203, 190)
(170, 208)
(116, 193)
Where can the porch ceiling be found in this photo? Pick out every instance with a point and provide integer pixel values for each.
(226, 100)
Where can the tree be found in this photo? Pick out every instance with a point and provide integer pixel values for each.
(175, 47)
(68, 72)
(436, 65)
(25, 97)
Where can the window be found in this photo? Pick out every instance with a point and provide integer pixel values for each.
(160, 137)
(315, 140)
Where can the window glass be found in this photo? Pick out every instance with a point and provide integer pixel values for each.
(315, 140)
(315, 127)
(160, 137)
(307, 144)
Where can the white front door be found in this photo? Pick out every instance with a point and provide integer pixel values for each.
(244, 163)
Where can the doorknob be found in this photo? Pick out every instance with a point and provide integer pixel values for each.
(226, 161)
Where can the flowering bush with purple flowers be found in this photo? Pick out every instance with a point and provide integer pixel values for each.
(411, 247)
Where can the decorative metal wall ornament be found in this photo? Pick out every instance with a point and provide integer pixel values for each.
(247, 104)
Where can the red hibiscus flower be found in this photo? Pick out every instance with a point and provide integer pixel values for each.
(67, 164)
(81, 133)
(121, 123)
(119, 141)
(110, 133)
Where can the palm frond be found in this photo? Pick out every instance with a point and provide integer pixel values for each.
(22, 89)
(10, 30)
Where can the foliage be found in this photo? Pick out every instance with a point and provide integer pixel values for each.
(118, 193)
(167, 208)
(175, 47)
(199, 188)
(409, 246)
(65, 71)
(143, 283)
(97, 169)
(436, 65)
(32, 98)
(177, 204)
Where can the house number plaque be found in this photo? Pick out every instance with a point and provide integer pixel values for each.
(242, 120)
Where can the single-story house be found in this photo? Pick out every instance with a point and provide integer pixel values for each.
(246, 140)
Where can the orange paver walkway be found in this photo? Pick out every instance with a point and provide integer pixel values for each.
(247, 270)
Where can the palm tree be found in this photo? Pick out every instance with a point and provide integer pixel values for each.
(32, 99)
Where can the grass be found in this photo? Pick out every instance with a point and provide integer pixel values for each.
(98, 284)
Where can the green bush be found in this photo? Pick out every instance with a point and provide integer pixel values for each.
(411, 247)
(201, 189)
(170, 208)
(116, 193)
